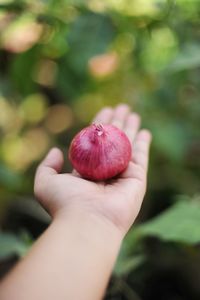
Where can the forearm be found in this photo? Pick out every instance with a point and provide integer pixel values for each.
(73, 259)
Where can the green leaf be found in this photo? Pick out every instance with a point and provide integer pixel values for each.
(10, 245)
(188, 58)
(126, 265)
(180, 223)
(128, 260)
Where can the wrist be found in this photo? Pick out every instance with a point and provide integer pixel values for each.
(90, 226)
(88, 246)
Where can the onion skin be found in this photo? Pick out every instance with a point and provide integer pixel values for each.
(100, 152)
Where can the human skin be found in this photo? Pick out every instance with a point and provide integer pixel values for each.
(75, 256)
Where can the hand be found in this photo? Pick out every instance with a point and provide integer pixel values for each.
(117, 202)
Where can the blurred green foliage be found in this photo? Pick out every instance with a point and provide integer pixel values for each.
(10, 244)
(167, 227)
(60, 62)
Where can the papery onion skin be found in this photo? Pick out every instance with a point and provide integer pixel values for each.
(100, 152)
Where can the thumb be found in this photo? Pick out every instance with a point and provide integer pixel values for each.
(51, 165)
(53, 161)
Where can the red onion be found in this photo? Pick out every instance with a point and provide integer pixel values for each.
(100, 152)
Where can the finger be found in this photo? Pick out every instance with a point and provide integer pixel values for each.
(51, 164)
(134, 171)
(131, 126)
(120, 115)
(104, 116)
(141, 148)
(53, 161)
(133, 184)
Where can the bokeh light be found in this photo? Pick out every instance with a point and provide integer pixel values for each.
(33, 108)
(10, 119)
(160, 49)
(45, 73)
(103, 65)
(19, 152)
(21, 34)
(59, 118)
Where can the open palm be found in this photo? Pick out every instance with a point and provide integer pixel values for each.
(117, 201)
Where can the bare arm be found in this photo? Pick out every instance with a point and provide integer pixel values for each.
(73, 259)
(75, 256)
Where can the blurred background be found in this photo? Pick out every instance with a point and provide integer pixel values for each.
(63, 60)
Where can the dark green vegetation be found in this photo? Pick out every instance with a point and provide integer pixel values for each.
(60, 61)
